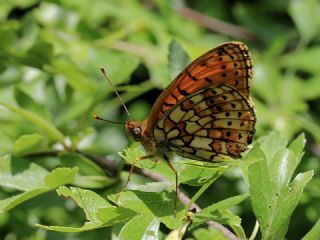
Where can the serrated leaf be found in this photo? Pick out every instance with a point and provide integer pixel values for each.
(99, 213)
(273, 197)
(88, 200)
(160, 205)
(27, 144)
(52, 132)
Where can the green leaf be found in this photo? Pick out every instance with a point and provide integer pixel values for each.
(273, 197)
(297, 145)
(61, 176)
(193, 174)
(89, 201)
(141, 227)
(305, 15)
(271, 144)
(27, 103)
(224, 204)
(13, 201)
(253, 155)
(210, 233)
(99, 213)
(160, 205)
(75, 78)
(27, 144)
(303, 59)
(19, 174)
(178, 59)
(90, 175)
(219, 212)
(35, 56)
(118, 64)
(38, 121)
(314, 233)
(86, 227)
(86, 167)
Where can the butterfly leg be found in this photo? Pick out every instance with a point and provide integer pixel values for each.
(177, 183)
(131, 171)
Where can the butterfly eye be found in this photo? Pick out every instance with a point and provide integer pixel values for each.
(136, 131)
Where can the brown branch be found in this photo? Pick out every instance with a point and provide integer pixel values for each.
(217, 25)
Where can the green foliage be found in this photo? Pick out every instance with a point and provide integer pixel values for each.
(59, 169)
(273, 190)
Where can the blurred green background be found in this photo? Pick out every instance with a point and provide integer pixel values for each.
(50, 54)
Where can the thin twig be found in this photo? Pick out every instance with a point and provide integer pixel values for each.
(217, 25)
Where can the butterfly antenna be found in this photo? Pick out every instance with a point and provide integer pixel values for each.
(95, 116)
(114, 89)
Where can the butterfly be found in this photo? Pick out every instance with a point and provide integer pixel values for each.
(206, 112)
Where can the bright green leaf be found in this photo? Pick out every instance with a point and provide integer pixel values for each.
(144, 227)
(61, 176)
(89, 201)
(17, 173)
(273, 197)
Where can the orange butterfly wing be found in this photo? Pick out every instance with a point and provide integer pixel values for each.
(215, 120)
(228, 64)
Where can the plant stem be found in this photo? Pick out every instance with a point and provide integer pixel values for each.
(255, 231)
(201, 191)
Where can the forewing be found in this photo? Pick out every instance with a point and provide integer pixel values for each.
(228, 64)
(212, 121)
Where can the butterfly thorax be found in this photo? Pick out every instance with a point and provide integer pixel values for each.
(137, 130)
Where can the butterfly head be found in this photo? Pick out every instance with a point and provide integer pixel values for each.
(135, 129)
